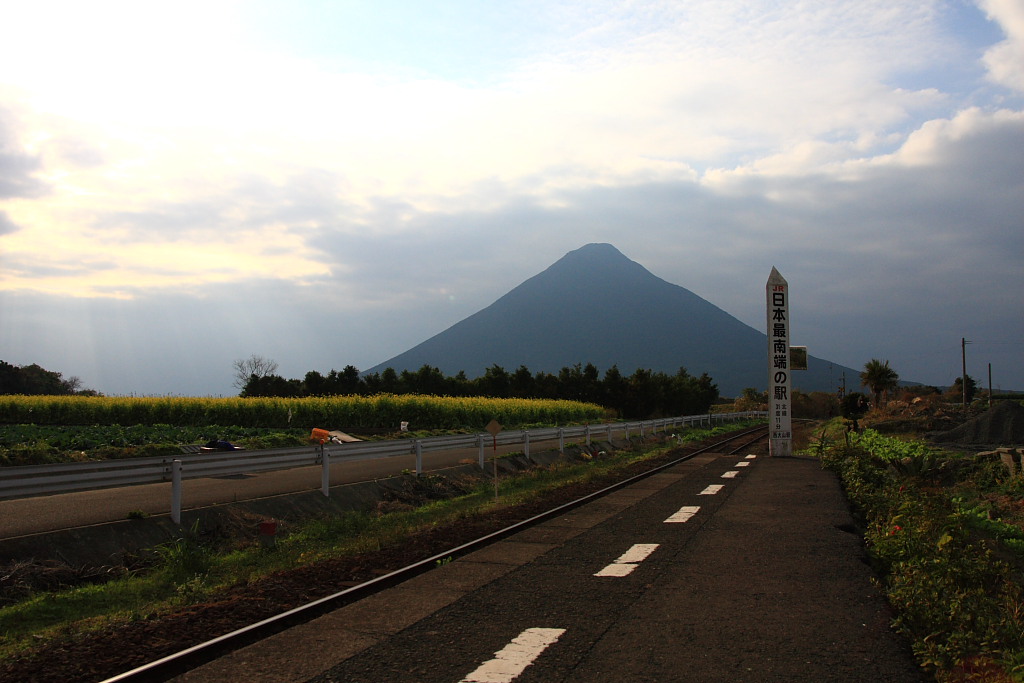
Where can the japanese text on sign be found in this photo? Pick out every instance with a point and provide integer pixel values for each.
(779, 395)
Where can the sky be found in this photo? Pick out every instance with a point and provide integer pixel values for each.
(326, 184)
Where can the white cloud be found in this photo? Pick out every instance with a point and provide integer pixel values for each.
(147, 151)
(1004, 59)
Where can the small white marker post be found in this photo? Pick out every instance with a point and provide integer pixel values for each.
(325, 471)
(176, 491)
(780, 424)
(493, 427)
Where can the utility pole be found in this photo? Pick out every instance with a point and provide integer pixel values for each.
(963, 370)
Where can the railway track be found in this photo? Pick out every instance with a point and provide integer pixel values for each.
(167, 667)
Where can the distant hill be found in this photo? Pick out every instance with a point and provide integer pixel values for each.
(594, 305)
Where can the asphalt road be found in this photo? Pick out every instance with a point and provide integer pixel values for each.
(25, 516)
(724, 568)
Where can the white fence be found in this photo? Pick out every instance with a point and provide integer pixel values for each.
(42, 480)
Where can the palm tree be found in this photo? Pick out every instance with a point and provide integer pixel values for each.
(880, 378)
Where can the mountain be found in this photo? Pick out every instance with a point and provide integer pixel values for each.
(594, 305)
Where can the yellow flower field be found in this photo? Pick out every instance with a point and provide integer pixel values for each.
(377, 411)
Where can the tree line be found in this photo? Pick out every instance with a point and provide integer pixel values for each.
(883, 380)
(33, 380)
(643, 394)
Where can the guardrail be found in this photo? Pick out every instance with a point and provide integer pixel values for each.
(43, 480)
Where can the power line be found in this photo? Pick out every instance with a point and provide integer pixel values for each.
(993, 341)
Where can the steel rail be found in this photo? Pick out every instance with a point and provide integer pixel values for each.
(746, 444)
(190, 658)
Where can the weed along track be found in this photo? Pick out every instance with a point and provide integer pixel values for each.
(163, 645)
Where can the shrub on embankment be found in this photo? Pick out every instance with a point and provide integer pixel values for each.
(946, 533)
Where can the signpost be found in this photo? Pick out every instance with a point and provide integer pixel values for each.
(780, 423)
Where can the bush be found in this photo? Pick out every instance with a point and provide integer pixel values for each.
(949, 566)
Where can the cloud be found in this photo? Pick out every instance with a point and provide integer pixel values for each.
(19, 167)
(262, 180)
(1004, 59)
(6, 224)
(944, 205)
(212, 196)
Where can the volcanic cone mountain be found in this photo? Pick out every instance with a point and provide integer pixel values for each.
(594, 305)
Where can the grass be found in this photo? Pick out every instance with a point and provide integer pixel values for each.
(189, 571)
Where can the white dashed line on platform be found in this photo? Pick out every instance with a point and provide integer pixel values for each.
(742, 463)
(683, 514)
(730, 474)
(629, 560)
(512, 660)
(711, 490)
(751, 457)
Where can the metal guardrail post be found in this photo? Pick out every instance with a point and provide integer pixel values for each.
(41, 480)
(419, 458)
(176, 491)
(325, 472)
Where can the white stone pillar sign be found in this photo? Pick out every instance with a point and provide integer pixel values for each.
(780, 423)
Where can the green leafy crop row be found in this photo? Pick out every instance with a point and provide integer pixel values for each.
(941, 530)
(31, 444)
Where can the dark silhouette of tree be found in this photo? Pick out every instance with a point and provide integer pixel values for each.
(254, 365)
(272, 385)
(347, 381)
(644, 394)
(316, 384)
(494, 382)
(389, 383)
(880, 379)
(427, 380)
(957, 390)
(522, 383)
(546, 385)
(614, 390)
(854, 405)
(36, 380)
(460, 384)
